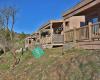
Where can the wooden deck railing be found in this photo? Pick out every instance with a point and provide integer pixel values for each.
(45, 40)
(89, 32)
(57, 38)
(69, 35)
(95, 31)
(82, 33)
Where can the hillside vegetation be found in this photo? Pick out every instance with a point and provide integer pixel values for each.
(75, 64)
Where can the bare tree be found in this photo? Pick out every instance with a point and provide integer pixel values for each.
(2, 34)
(13, 12)
(1, 21)
(10, 13)
(6, 13)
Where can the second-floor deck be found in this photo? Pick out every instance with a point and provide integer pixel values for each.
(89, 32)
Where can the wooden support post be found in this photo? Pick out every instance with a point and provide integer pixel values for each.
(28, 42)
(64, 31)
(39, 37)
(90, 31)
(74, 39)
(51, 32)
(25, 42)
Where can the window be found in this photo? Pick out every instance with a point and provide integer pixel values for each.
(96, 27)
(29, 41)
(67, 26)
(94, 20)
(44, 34)
(82, 24)
(58, 30)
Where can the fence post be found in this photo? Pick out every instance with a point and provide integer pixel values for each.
(74, 39)
(90, 31)
(51, 23)
(64, 31)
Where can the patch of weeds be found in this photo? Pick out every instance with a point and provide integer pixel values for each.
(82, 66)
(73, 50)
(50, 62)
(76, 75)
(26, 55)
(87, 77)
(95, 66)
(87, 72)
(80, 52)
(4, 66)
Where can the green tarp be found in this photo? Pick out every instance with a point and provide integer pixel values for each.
(37, 52)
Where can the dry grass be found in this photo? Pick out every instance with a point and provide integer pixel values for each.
(73, 65)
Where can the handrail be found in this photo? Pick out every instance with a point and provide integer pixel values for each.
(95, 23)
(69, 30)
(57, 38)
(77, 28)
(45, 40)
(84, 33)
(82, 27)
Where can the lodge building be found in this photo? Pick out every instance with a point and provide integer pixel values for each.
(87, 33)
(51, 34)
(79, 27)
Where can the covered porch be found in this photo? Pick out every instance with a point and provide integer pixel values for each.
(52, 33)
(87, 35)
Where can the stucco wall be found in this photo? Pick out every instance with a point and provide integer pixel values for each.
(74, 22)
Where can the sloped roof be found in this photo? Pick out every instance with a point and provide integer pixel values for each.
(78, 6)
(49, 22)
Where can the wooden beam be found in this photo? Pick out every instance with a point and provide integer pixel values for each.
(74, 35)
(79, 5)
(51, 31)
(64, 29)
(90, 31)
(80, 9)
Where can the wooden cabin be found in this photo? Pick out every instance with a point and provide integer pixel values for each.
(84, 32)
(31, 41)
(51, 34)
